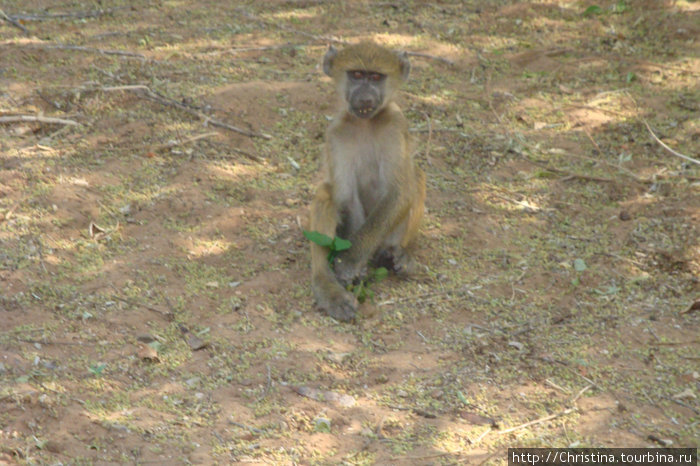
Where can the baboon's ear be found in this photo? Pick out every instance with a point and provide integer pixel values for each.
(328, 59)
(404, 65)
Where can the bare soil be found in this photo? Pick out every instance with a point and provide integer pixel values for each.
(155, 305)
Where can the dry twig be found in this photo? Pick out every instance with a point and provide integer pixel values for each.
(14, 22)
(677, 154)
(161, 99)
(537, 421)
(37, 118)
(171, 144)
(74, 14)
(80, 48)
(145, 306)
(432, 57)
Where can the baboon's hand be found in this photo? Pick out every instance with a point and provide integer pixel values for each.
(347, 269)
(339, 304)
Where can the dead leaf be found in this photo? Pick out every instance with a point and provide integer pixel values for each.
(516, 344)
(686, 394)
(148, 353)
(341, 399)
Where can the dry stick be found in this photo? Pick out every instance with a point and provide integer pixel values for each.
(537, 421)
(173, 103)
(580, 393)
(76, 15)
(14, 22)
(552, 384)
(680, 403)
(137, 304)
(48, 342)
(622, 170)
(432, 57)
(36, 118)
(677, 154)
(169, 145)
(251, 49)
(81, 48)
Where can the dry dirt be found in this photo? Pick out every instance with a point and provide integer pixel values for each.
(154, 281)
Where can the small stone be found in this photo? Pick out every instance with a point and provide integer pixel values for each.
(53, 446)
(192, 382)
(322, 424)
(382, 378)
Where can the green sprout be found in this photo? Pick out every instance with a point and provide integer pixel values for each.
(335, 245)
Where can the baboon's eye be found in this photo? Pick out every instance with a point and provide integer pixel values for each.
(357, 74)
(376, 77)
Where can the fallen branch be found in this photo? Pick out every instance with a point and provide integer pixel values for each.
(161, 99)
(166, 314)
(76, 15)
(251, 49)
(677, 154)
(80, 48)
(170, 145)
(14, 22)
(37, 118)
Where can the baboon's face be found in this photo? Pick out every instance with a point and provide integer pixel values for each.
(365, 92)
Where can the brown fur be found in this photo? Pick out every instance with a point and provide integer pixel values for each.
(372, 193)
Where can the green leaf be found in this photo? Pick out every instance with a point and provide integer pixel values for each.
(380, 273)
(97, 369)
(318, 238)
(593, 10)
(462, 398)
(579, 265)
(620, 7)
(340, 244)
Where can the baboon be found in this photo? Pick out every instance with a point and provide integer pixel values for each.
(372, 192)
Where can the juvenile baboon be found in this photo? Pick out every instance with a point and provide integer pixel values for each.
(372, 192)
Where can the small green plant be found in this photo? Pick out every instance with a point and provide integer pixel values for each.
(579, 267)
(335, 245)
(96, 369)
(593, 10)
(620, 7)
(362, 290)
